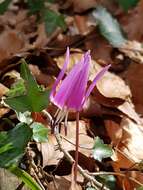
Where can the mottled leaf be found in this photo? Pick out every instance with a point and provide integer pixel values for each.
(4, 6)
(35, 5)
(40, 132)
(109, 27)
(109, 181)
(53, 20)
(34, 99)
(17, 89)
(101, 150)
(13, 143)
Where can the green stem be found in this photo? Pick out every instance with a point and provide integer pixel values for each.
(25, 177)
(77, 146)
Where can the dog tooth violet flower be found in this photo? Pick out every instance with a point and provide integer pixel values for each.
(72, 92)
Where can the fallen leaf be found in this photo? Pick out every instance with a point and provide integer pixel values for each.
(110, 85)
(128, 109)
(3, 111)
(132, 139)
(133, 50)
(11, 42)
(133, 77)
(61, 183)
(51, 155)
(129, 150)
(133, 19)
(83, 5)
(3, 90)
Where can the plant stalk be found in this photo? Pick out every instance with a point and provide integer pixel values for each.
(77, 147)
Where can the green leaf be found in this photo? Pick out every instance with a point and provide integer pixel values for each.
(34, 99)
(127, 4)
(25, 177)
(108, 180)
(35, 6)
(40, 132)
(17, 89)
(13, 143)
(53, 20)
(109, 27)
(140, 188)
(140, 165)
(4, 6)
(101, 150)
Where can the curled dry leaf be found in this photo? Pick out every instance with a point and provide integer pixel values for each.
(128, 109)
(108, 84)
(51, 155)
(3, 90)
(133, 76)
(133, 50)
(132, 139)
(11, 42)
(129, 149)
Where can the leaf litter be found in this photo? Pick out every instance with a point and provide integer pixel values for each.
(114, 37)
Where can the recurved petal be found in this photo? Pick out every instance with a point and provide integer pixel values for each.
(98, 77)
(61, 74)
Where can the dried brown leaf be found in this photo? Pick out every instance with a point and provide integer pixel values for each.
(128, 150)
(10, 43)
(3, 90)
(83, 5)
(51, 155)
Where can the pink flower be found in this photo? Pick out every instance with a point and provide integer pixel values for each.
(72, 92)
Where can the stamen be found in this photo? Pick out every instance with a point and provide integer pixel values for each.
(62, 116)
(56, 113)
(57, 118)
(66, 123)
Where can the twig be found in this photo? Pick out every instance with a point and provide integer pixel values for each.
(71, 160)
(80, 146)
(117, 174)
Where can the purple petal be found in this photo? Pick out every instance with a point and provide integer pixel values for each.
(72, 89)
(98, 77)
(78, 91)
(61, 74)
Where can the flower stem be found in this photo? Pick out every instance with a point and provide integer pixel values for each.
(77, 146)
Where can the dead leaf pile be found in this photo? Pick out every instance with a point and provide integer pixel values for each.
(114, 109)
